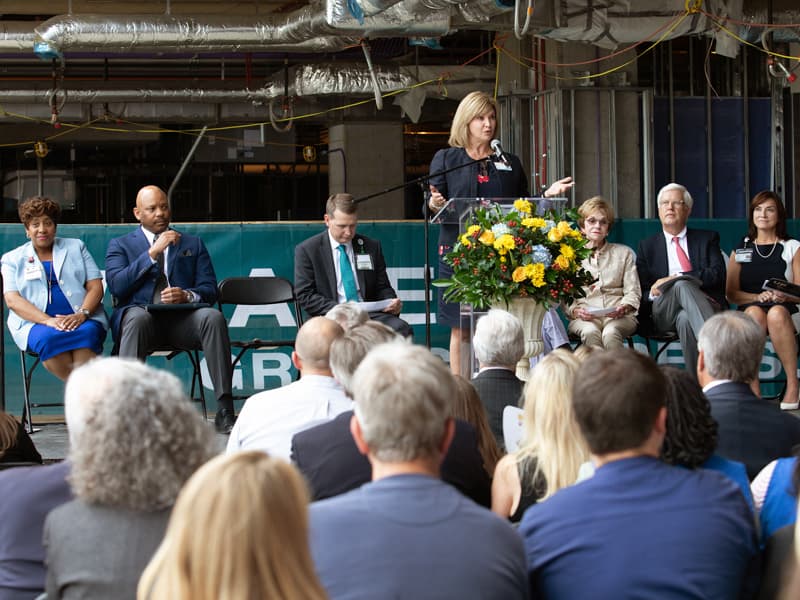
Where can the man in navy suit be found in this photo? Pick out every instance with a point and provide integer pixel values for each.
(751, 430)
(680, 305)
(158, 265)
(339, 265)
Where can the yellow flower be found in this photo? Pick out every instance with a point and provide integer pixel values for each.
(502, 256)
(562, 262)
(564, 228)
(574, 233)
(473, 229)
(487, 237)
(555, 235)
(537, 275)
(533, 222)
(567, 251)
(504, 243)
(529, 270)
(466, 241)
(519, 274)
(523, 206)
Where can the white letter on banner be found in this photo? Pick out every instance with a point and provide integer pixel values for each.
(281, 371)
(280, 311)
(395, 274)
(205, 375)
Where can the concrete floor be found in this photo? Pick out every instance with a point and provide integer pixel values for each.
(52, 441)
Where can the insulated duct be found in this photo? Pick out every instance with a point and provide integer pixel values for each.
(299, 31)
(16, 37)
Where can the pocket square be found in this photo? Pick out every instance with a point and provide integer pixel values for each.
(186, 252)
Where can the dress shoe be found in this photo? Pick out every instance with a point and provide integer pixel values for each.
(224, 420)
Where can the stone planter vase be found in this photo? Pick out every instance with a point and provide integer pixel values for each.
(530, 313)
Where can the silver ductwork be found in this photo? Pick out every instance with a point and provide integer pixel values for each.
(299, 31)
(16, 37)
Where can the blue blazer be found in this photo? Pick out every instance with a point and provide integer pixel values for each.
(131, 274)
(73, 265)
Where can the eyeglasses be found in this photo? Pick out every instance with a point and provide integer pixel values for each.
(592, 221)
(672, 204)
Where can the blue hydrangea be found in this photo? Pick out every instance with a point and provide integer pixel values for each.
(500, 229)
(540, 254)
(548, 225)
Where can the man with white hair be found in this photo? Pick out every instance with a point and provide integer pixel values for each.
(407, 534)
(682, 273)
(270, 418)
(751, 430)
(499, 344)
(348, 315)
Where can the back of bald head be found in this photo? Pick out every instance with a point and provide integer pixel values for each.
(313, 343)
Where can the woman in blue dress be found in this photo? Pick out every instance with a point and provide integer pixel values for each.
(54, 292)
(768, 252)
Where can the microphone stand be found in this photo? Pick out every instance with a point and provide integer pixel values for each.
(422, 180)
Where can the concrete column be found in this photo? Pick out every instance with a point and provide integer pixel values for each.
(375, 161)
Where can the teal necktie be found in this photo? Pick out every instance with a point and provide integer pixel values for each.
(348, 281)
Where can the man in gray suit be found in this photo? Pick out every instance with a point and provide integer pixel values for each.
(675, 302)
(499, 344)
(751, 430)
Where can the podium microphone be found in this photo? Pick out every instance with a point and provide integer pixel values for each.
(498, 152)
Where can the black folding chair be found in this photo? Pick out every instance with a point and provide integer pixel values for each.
(253, 291)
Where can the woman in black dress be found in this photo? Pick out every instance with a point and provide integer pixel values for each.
(767, 252)
(471, 134)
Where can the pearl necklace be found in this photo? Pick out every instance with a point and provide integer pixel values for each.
(774, 245)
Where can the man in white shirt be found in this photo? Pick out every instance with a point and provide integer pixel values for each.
(680, 305)
(269, 419)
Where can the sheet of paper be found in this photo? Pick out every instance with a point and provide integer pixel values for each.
(599, 312)
(376, 306)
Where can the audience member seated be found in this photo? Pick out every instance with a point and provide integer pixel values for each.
(467, 407)
(348, 315)
(239, 530)
(407, 534)
(616, 286)
(328, 456)
(691, 437)
(553, 448)
(54, 292)
(775, 494)
(751, 430)
(499, 344)
(767, 252)
(15, 443)
(639, 526)
(29, 494)
(675, 303)
(270, 418)
(339, 265)
(135, 438)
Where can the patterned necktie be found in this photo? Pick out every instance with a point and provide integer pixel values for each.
(686, 264)
(161, 282)
(348, 281)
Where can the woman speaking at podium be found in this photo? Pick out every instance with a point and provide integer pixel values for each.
(499, 176)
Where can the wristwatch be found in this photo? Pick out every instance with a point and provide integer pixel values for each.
(85, 312)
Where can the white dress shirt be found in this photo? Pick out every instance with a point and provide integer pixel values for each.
(673, 264)
(270, 419)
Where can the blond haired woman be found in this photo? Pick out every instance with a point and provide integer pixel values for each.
(607, 315)
(239, 530)
(468, 407)
(471, 133)
(553, 448)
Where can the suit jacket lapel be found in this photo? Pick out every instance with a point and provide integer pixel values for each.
(661, 261)
(172, 255)
(58, 256)
(692, 243)
(326, 256)
(362, 284)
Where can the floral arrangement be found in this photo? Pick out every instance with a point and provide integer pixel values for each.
(517, 254)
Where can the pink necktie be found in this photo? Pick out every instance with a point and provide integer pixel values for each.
(686, 264)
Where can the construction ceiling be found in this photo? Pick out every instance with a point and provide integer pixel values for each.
(212, 61)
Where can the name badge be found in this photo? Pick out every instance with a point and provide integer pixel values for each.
(33, 272)
(744, 255)
(363, 262)
(501, 166)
